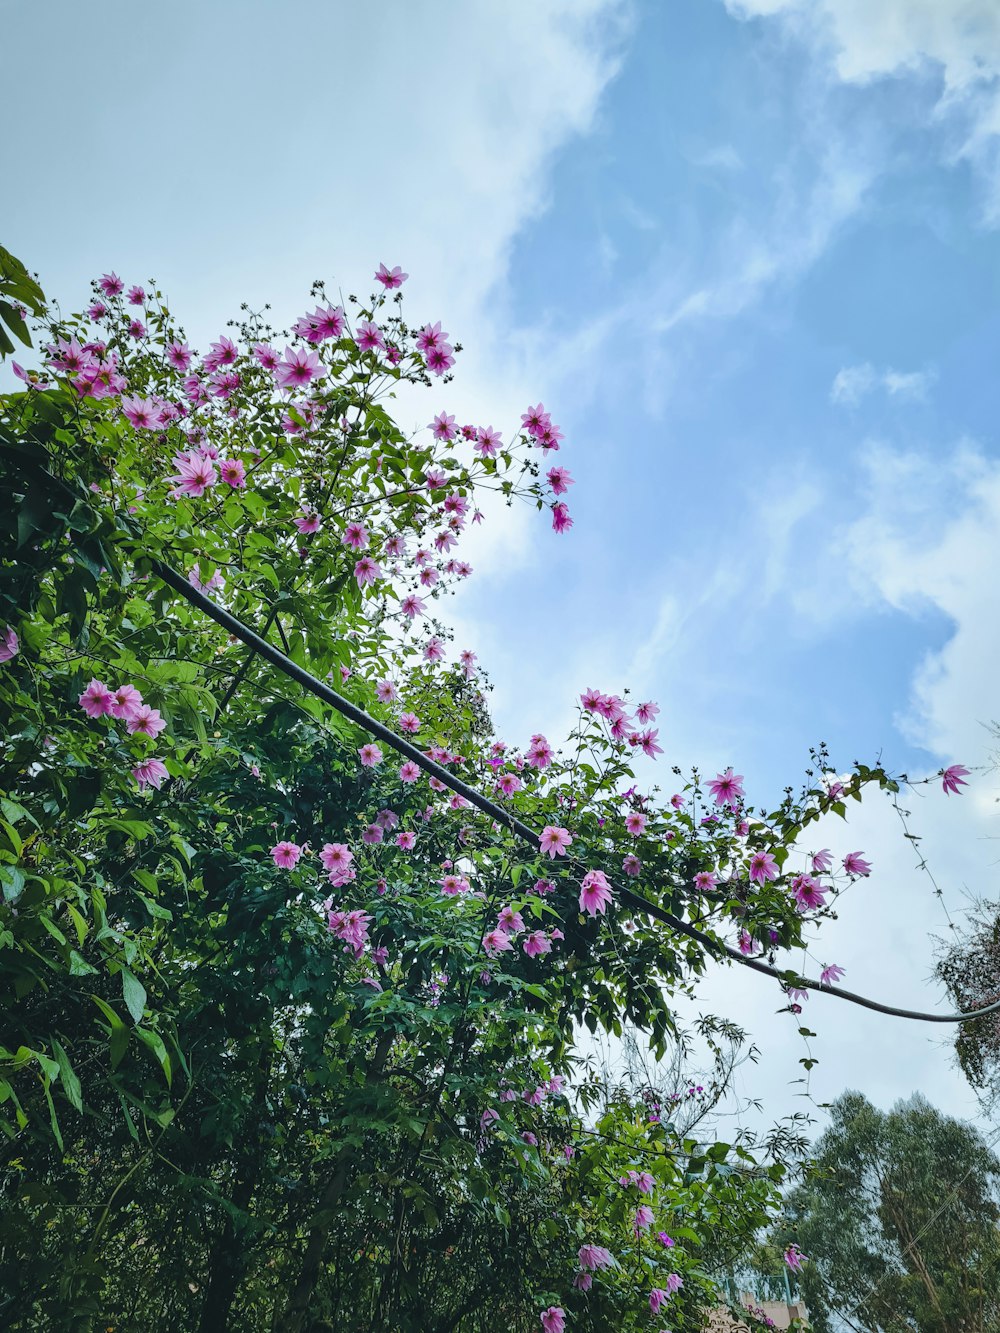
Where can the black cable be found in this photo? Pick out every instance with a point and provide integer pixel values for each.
(504, 817)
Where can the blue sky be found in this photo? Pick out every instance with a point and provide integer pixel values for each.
(747, 253)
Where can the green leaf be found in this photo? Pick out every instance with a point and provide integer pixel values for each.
(12, 879)
(134, 993)
(67, 1077)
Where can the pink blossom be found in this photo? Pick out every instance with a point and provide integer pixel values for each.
(307, 523)
(143, 413)
(195, 474)
(355, 536)
(125, 700)
(495, 941)
(233, 473)
(665, 1240)
(412, 606)
(537, 942)
(386, 692)
(855, 864)
(370, 755)
(286, 855)
(336, 857)
(368, 336)
(96, 700)
(489, 1116)
(367, 571)
(631, 864)
(390, 278)
(831, 974)
(453, 885)
(536, 420)
(726, 788)
(149, 772)
(467, 658)
(539, 753)
(554, 840)
(488, 442)
(408, 772)
(821, 862)
(635, 823)
(410, 723)
(111, 284)
(430, 336)
(221, 353)
(595, 892)
(443, 426)
(704, 881)
(144, 721)
(136, 329)
(266, 356)
(373, 834)
(763, 867)
(583, 1281)
(560, 481)
(406, 841)
(748, 945)
(953, 778)
(553, 1319)
(298, 369)
(9, 645)
(561, 521)
(643, 1218)
(323, 323)
(794, 1258)
(808, 892)
(179, 356)
(594, 1257)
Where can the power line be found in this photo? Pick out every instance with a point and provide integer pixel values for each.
(505, 818)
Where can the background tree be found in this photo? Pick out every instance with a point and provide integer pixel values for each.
(899, 1217)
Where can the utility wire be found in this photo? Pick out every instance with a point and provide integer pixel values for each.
(506, 819)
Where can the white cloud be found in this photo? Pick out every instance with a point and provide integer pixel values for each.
(960, 39)
(853, 383)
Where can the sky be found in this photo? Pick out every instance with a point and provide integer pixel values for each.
(748, 254)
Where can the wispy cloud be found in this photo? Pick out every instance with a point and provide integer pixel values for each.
(851, 384)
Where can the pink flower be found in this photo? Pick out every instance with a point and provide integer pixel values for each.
(495, 941)
(509, 920)
(553, 1319)
(233, 473)
(373, 834)
(266, 356)
(321, 324)
(763, 867)
(355, 536)
(595, 892)
(408, 772)
(136, 329)
(453, 885)
(370, 755)
(125, 701)
(560, 481)
(488, 441)
(536, 420)
(386, 692)
(143, 413)
(794, 1257)
(195, 474)
(594, 1257)
(406, 841)
(665, 1240)
(367, 571)
(821, 862)
(390, 278)
(111, 284)
(410, 723)
(149, 772)
(96, 700)
(412, 606)
(646, 713)
(539, 754)
(748, 945)
(855, 864)
(726, 788)
(440, 359)
(554, 840)
(704, 881)
(286, 855)
(635, 823)
(561, 521)
(144, 721)
(430, 336)
(831, 974)
(643, 1218)
(631, 864)
(307, 524)
(646, 740)
(954, 777)
(179, 356)
(298, 369)
(583, 1281)
(656, 1299)
(336, 856)
(9, 645)
(368, 336)
(537, 942)
(489, 1117)
(443, 426)
(808, 892)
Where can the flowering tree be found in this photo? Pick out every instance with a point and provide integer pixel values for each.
(293, 977)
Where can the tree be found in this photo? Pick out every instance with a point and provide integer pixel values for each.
(900, 1218)
(288, 1026)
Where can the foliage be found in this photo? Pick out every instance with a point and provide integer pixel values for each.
(287, 1034)
(900, 1215)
